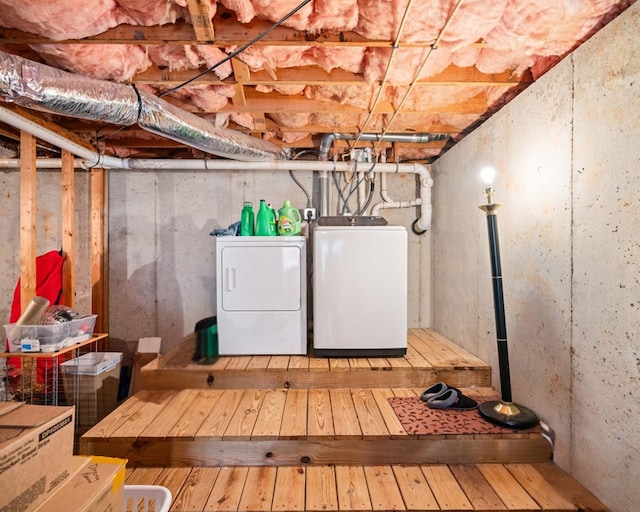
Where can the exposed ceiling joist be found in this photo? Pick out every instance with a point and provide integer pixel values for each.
(322, 71)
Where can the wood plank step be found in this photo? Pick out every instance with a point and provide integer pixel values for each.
(430, 357)
(405, 487)
(291, 426)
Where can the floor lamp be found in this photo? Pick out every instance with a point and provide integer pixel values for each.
(503, 412)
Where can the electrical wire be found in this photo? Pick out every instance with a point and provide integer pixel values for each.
(416, 78)
(239, 50)
(334, 176)
(381, 88)
(357, 184)
(296, 181)
(369, 198)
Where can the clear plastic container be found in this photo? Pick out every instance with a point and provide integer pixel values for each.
(50, 337)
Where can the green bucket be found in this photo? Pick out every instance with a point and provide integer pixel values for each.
(206, 341)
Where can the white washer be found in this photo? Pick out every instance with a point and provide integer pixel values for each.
(360, 291)
(261, 295)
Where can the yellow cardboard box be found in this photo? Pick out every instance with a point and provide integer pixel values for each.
(98, 487)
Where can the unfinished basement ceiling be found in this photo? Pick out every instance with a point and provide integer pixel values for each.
(348, 66)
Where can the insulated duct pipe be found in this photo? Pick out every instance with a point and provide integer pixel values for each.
(48, 89)
(93, 159)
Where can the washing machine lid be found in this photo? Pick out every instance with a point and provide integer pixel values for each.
(349, 220)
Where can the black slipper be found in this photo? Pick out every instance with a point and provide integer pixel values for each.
(437, 389)
(452, 399)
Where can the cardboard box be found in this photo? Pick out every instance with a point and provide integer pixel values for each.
(36, 453)
(98, 487)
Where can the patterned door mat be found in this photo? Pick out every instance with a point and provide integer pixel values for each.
(418, 418)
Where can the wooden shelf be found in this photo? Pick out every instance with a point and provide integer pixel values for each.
(37, 355)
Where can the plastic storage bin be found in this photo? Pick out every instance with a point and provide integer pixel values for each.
(139, 498)
(50, 337)
(91, 382)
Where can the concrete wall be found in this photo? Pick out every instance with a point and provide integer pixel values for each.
(48, 232)
(568, 157)
(162, 258)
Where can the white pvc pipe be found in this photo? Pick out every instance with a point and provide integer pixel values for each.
(21, 123)
(424, 201)
(93, 159)
(41, 163)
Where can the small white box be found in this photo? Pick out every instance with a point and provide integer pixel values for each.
(92, 363)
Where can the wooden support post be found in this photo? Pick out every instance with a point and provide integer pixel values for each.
(27, 218)
(201, 15)
(242, 74)
(99, 254)
(68, 229)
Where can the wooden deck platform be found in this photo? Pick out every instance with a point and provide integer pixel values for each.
(290, 426)
(478, 487)
(292, 433)
(430, 358)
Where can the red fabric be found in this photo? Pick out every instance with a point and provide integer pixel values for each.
(48, 282)
(49, 286)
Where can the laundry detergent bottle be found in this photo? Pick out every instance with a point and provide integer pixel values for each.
(246, 220)
(266, 220)
(289, 220)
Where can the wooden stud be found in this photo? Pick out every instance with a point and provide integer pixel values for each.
(99, 253)
(200, 11)
(67, 177)
(27, 218)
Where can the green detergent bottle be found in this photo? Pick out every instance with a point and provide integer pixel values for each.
(289, 220)
(246, 220)
(266, 220)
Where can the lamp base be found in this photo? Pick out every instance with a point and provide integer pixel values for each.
(508, 414)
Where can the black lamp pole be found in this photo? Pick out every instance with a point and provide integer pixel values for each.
(502, 412)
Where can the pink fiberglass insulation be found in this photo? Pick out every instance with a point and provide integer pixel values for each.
(244, 119)
(270, 58)
(156, 12)
(274, 10)
(405, 64)
(492, 35)
(111, 61)
(290, 119)
(355, 95)
(60, 19)
(70, 19)
(222, 119)
(422, 97)
(207, 98)
(532, 28)
(287, 90)
(179, 58)
(291, 137)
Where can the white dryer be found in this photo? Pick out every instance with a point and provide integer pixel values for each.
(261, 295)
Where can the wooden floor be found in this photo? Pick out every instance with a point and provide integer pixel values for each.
(292, 433)
(430, 358)
(477, 487)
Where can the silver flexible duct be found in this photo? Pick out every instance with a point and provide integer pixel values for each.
(40, 87)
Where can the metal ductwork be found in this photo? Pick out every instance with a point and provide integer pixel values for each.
(414, 138)
(41, 87)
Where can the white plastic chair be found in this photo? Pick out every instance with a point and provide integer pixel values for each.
(140, 498)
